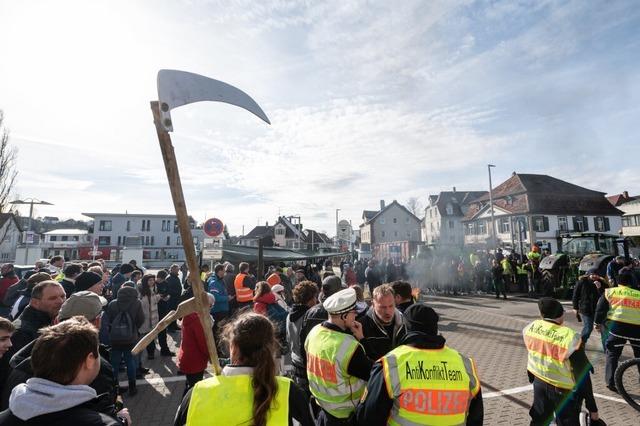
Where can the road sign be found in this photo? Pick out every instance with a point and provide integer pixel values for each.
(212, 254)
(95, 253)
(213, 227)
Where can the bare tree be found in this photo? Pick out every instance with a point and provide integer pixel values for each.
(415, 206)
(8, 171)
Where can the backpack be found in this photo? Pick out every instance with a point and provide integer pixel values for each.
(123, 331)
(278, 315)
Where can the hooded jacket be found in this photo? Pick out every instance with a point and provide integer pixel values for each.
(294, 326)
(43, 402)
(27, 325)
(104, 384)
(377, 341)
(127, 300)
(260, 303)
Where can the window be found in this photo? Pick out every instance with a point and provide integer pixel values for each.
(540, 223)
(382, 221)
(395, 220)
(152, 242)
(168, 241)
(53, 238)
(504, 225)
(178, 241)
(406, 220)
(562, 223)
(76, 238)
(451, 224)
(128, 225)
(148, 225)
(601, 223)
(119, 240)
(482, 228)
(105, 225)
(580, 223)
(395, 233)
(408, 234)
(383, 234)
(104, 241)
(449, 209)
(146, 240)
(143, 225)
(64, 238)
(164, 225)
(280, 231)
(175, 226)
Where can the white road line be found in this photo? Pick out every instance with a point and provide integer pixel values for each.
(610, 398)
(507, 392)
(155, 381)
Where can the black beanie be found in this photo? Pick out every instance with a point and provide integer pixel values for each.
(422, 318)
(86, 280)
(126, 268)
(550, 308)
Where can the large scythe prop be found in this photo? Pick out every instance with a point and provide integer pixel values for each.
(177, 88)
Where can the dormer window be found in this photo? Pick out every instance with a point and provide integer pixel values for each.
(449, 209)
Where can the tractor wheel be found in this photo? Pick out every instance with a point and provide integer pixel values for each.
(549, 282)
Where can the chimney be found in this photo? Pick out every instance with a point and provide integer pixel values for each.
(454, 189)
(381, 204)
(266, 223)
(625, 195)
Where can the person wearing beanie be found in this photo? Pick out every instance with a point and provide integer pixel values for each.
(618, 315)
(559, 369)
(70, 272)
(89, 281)
(118, 279)
(399, 374)
(337, 366)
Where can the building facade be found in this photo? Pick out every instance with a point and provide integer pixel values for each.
(442, 223)
(538, 209)
(393, 231)
(10, 233)
(65, 242)
(157, 234)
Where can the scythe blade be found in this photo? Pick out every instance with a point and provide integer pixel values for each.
(177, 88)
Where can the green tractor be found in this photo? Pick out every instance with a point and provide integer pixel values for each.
(579, 252)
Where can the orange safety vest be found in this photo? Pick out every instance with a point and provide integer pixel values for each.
(243, 294)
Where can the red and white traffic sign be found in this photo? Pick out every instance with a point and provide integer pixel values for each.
(213, 227)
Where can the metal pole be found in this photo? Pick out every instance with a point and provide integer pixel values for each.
(337, 239)
(26, 245)
(493, 223)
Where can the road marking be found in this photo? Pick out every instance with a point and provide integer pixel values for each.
(155, 381)
(507, 392)
(528, 388)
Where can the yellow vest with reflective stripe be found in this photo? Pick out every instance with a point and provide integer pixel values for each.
(624, 304)
(550, 345)
(429, 386)
(328, 355)
(228, 400)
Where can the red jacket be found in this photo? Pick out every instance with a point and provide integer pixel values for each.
(193, 355)
(5, 283)
(260, 304)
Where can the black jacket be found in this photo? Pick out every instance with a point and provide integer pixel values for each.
(378, 341)
(27, 325)
(127, 300)
(174, 289)
(105, 383)
(294, 325)
(372, 277)
(585, 296)
(377, 405)
(80, 415)
(69, 287)
(314, 316)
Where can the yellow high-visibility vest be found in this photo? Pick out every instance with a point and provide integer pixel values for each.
(328, 356)
(429, 386)
(624, 304)
(228, 400)
(550, 345)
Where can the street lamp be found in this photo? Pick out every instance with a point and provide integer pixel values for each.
(30, 202)
(337, 230)
(493, 223)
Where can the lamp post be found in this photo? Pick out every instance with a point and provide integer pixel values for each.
(493, 223)
(30, 202)
(337, 230)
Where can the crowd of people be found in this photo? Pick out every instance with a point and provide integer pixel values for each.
(301, 344)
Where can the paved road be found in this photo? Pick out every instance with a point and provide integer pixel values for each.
(482, 327)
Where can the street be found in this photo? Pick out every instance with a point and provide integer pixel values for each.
(482, 327)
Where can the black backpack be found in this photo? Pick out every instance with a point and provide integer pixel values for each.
(123, 331)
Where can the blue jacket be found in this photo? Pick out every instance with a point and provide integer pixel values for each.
(219, 290)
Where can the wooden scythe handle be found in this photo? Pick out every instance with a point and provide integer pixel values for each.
(173, 176)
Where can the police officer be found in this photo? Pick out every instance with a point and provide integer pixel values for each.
(618, 314)
(555, 360)
(422, 381)
(337, 367)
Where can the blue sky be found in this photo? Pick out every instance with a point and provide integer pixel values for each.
(368, 100)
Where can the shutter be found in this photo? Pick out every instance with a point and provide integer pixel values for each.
(607, 227)
(585, 220)
(575, 224)
(545, 221)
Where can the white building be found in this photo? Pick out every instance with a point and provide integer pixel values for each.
(157, 234)
(9, 238)
(65, 242)
(538, 208)
(442, 222)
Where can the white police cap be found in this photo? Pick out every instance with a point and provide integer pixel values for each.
(341, 302)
